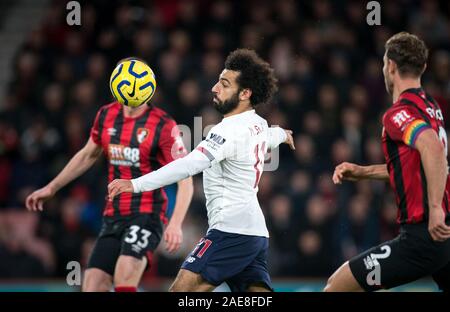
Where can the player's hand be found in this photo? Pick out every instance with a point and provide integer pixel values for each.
(436, 225)
(173, 236)
(347, 171)
(289, 139)
(35, 201)
(119, 186)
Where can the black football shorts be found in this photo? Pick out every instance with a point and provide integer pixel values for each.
(410, 256)
(136, 236)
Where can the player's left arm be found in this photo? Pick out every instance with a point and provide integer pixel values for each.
(277, 136)
(434, 163)
(353, 172)
(180, 169)
(217, 146)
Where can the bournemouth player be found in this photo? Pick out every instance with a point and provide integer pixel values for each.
(414, 143)
(231, 157)
(135, 141)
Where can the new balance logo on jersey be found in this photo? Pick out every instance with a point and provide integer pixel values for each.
(120, 155)
(217, 138)
(112, 131)
(137, 249)
(368, 262)
(190, 259)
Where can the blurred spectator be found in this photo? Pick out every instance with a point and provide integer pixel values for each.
(314, 242)
(23, 254)
(329, 107)
(283, 229)
(352, 131)
(388, 226)
(429, 23)
(359, 230)
(69, 234)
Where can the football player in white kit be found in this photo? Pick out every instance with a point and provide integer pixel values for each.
(231, 157)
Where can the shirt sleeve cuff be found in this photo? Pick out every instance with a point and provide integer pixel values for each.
(136, 185)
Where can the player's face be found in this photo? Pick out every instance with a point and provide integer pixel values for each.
(226, 92)
(387, 78)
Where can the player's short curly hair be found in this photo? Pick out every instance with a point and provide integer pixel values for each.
(255, 74)
(409, 53)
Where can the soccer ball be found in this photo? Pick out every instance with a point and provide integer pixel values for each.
(132, 83)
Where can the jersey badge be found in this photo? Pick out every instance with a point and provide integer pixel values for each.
(142, 134)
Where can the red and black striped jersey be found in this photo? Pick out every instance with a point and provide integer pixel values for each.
(414, 112)
(134, 147)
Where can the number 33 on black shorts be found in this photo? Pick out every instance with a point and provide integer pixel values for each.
(136, 236)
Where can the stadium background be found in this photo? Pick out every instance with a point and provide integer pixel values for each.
(328, 61)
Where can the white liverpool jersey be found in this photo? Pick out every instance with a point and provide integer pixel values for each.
(236, 147)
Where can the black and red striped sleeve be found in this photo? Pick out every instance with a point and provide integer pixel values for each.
(404, 124)
(96, 128)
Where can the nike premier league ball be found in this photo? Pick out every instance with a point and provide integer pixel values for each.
(132, 83)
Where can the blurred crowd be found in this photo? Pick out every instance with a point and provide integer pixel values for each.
(331, 94)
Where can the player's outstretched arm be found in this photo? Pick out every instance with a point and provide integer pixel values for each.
(193, 163)
(434, 161)
(173, 235)
(278, 136)
(353, 172)
(79, 163)
(289, 139)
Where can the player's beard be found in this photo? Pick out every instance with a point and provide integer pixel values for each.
(224, 107)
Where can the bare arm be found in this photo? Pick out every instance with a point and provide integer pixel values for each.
(79, 164)
(353, 172)
(375, 172)
(173, 235)
(434, 163)
(184, 197)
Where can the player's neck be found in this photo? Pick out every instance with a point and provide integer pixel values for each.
(241, 108)
(404, 84)
(131, 112)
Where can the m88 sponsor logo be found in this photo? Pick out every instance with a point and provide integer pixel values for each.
(124, 155)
